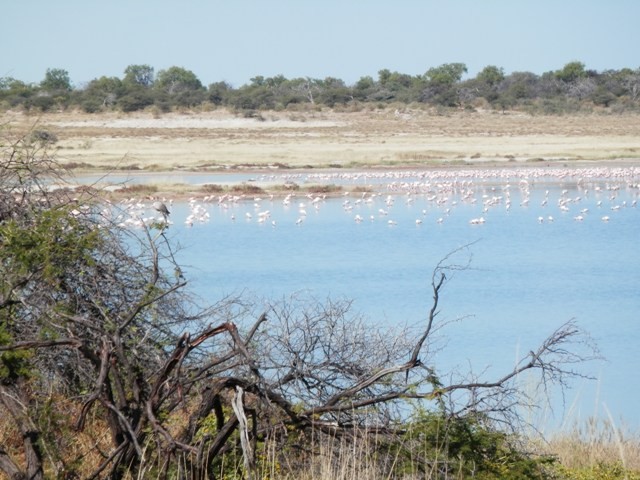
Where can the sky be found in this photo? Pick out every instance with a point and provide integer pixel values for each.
(236, 40)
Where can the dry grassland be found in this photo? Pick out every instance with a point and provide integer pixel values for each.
(219, 140)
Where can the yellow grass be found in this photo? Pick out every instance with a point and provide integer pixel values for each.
(595, 442)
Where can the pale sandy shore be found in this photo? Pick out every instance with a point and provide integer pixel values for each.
(382, 138)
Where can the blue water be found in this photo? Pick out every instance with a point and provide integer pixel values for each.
(525, 276)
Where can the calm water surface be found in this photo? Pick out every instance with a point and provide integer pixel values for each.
(528, 273)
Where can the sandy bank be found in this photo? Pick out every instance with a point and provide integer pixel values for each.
(219, 140)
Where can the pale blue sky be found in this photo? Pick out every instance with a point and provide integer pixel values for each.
(236, 40)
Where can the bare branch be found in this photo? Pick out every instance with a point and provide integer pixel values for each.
(27, 345)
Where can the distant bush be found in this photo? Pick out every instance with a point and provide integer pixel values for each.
(212, 188)
(139, 189)
(43, 137)
(324, 188)
(246, 188)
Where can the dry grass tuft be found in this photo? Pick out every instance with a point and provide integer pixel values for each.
(597, 442)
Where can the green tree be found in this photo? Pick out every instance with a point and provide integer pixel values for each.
(383, 76)
(56, 80)
(491, 76)
(15, 93)
(571, 72)
(176, 80)
(394, 86)
(363, 88)
(137, 92)
(101, 93)
(296, 91)
(333, 91)
(440, 84)
(275, 82)
(257, 81)
(516, 88)
(487, 82)
(140, 75)
(445, 75)
(256, 96)
(180, 87)
(218, 92)
(135, 98)
(54, 91)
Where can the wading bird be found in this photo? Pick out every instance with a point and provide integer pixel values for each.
(162, 208)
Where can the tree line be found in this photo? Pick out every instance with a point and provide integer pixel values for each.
(572, 88)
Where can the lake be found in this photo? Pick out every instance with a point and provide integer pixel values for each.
(545, 245)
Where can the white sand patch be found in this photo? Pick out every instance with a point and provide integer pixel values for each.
(194, 122)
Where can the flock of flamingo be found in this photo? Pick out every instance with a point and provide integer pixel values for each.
(372, 195)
